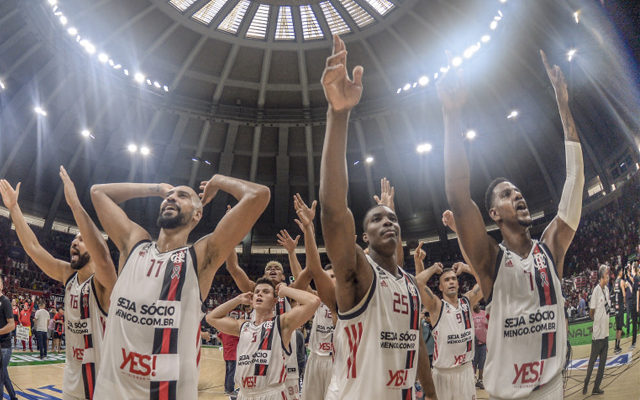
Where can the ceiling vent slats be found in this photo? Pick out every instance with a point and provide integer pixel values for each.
(207, 13)
(334, 19)
(232, 22)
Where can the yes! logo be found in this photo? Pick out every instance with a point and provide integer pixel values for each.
(138, 364)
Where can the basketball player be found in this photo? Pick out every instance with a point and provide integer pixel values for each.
(320, 364)
(453, 331)
(152, 338)
(520, 276)
(379, 349)
(619, 298)
(88, 278)
(264, 341)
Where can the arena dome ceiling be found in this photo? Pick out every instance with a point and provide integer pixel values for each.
(232, 86)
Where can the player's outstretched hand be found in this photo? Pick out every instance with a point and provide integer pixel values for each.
(341, 92)
(9, 196)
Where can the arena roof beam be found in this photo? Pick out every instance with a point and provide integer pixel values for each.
(282, 187)
(159, 41)
(363, 154)
(231, 59)
(225, 168)
(15, 38)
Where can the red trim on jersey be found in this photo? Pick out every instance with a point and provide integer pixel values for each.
(166, 339)
(552, 338)
(163, 393)
(354, 336)
(283, 374)
(89, 379)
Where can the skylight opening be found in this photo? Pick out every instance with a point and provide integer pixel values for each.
(259, 23)
(310, 26)
(182, 4)
(232, 22)
(334, 19)
(284, 28)
(207, 13)
(381, 6)
(359, 15)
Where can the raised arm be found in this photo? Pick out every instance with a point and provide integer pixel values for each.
(214, 248)
(218, 317)
(387, 193)
(475, 294)
(285, 240)
(480, 248)
(559, 233)
(324, 284)
(292, 320)
(124, 232)
(54, 268)
(353, 275)
(239, 276)
(418, 258)
(430, 301)
(104, 269)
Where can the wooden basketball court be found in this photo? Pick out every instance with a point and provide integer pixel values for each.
(44, 382)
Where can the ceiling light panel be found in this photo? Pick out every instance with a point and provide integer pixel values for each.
(207, 13)
(359, 15)
(310, 26)
(182, 4)
(284, 28)
(334, 19)
(258, 27)
(381, 6)
(232, 22)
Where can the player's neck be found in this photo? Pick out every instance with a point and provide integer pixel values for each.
(452, 300)
(517, 240)
(262, 317)
(388, 263)
(171, 239)
(85, 272)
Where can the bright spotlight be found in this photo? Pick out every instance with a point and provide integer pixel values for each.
(144, 151)
(571, 53)
(471, 134)
(90, 48)
(126, 72)
(139, 77)
(576, 16)
(40, 111)
(513, 114)
(399, 90)
(149, 82)
(444, 69)
(369, 160)
(63, 20)
(132, 148)
(423, 81)
(503, 1)
(156, 84)
(103, 57)
(469, 52)
(117, 66)
(53, 2)
(485, 38)
(165, 88)
(85, 133)
(456, 61)
(493, 25)
(2, 87)
(72, 31)
(424, 148)
(407, 86)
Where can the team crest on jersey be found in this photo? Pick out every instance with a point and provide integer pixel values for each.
(412, 290)
(85, 289)
(268, 324)
(178, 258)
(540, 260)
(464, 306)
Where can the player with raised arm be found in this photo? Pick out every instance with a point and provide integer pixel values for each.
(88, 278)
(453, 330)
(152, 337)
(265, 340)
(520, 277)
(379, 349)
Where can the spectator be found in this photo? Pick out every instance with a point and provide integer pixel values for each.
(7, 325)
(25, 320)
(42, 324)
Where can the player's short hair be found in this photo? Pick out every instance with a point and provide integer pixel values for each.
(265, 281)
(276, 263)
(444, 271)
(488, 195)
(365, 220)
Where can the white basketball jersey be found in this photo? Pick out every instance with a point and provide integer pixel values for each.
(377, 341)
(152, 341)
(261, 358)
(85, 323)
(321, 337)
(526, 337)
(453, 335)
(282, 306)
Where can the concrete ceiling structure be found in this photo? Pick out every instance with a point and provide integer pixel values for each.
(232, 87)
